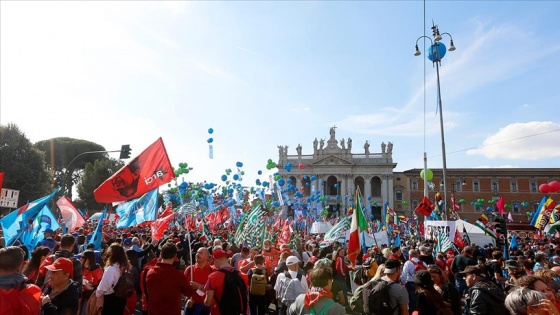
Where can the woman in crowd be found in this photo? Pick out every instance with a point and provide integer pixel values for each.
(31, 269)
(341, 270)
(319, 297)
(131, 302)
(428, 300)
(447, 290)
(537, 284)
(524, 301)
(92, 274)
(116, 263)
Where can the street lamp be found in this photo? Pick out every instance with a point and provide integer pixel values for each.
(435, 53)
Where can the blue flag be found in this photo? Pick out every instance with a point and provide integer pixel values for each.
(398, 240)
(98, 234)
(21, 220)
(514, 245)
(45, 220)
(138, 210)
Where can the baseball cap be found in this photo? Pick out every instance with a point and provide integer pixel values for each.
(203, 238)
(63, 264)
(49, 231)
(513, 264)
(127, 241)
(473, 270)
(291, 260)
(391, 265)
(218, 254)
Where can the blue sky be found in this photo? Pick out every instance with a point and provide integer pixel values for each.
(263, 74)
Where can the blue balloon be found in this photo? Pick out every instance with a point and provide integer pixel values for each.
(265, 184)
(259, 172)
(281, 182)
(369, 198)
(210, 130)
(276, 204)
(210, 140)
(239, 164)
(307, 184)
(224, 178)
(183, 185)
(489, 209)
(304, 176)
(313, 177)
(289, 181)
(235, 177)
(436, 52)
(335, 185)
(371, 217)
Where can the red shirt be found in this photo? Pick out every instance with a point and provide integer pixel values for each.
(200, 275)
(271, 259)
(165, 284)
(216, 284)
(341, 267)
(93, 276)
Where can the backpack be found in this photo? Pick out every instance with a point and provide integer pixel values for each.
(290, 289)
(233, 304)
(323, 310)
(377, 299)
(124, 288)
(258, 282)
(24, 301)
(418, 266)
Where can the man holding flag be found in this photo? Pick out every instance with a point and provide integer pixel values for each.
(358, 225)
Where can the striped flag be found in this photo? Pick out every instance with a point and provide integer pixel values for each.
(358, 225)
(443, 242)
(338, 229)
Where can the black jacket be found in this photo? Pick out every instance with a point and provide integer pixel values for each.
(486, 298)
(78, 277)
(64, 303)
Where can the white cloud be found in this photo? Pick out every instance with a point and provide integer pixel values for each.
(525, 141)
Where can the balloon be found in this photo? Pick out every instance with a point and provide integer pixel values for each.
(235, 177)
(429, 172)
(288, 167)
(544, 188)
(489, 209)
(335, 185)
(210, 130)
(259, 172)
(301, 166)
(239, 164)
(210, 140)
(554, 186)
(405, 203)
(281, 182)
(313, 177)
(307, 184)
(369, 198)
(371, 217)
(242, 173)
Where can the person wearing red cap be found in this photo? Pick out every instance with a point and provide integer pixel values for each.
(62, 294)
(165, 284)
(200, 271)
(216, 284)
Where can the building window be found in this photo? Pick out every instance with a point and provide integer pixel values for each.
(516, 207)
(398, 179)
(476, 186)
(458, 185)
(513, 186)
(533, 186)
(495, 186)
(414, 185)
(398, 194)
(415, 203)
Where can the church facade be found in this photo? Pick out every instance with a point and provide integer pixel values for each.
(338, 169)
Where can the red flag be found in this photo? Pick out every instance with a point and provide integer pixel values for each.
(500, 204)
(147, 171)
(425, 207)
(168, 210)
(159, 226)
(285, 235)
(1, 179)
(456, 206)
(71, 216)
(458, 239)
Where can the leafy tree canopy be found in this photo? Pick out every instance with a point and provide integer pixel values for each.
(95, 174)
(23, 165)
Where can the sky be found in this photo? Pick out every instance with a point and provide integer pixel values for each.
(263, 74)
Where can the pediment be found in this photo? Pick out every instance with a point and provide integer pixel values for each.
(332, 160)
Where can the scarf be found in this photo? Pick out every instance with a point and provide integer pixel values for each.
(314, 295)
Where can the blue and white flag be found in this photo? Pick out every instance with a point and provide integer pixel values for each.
(45, 219)
(98, 233)
(138, 210)
(21, 220)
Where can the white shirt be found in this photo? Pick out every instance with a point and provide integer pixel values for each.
(408, 269)
(110, 278)
(282, 276)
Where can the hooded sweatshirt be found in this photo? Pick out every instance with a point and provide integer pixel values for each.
(316, 298)
(20, 298)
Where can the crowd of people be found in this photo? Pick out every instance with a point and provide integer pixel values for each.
(190, 274)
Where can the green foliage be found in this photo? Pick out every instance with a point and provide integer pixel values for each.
(62, 153)
(93, 175)
(23, 164)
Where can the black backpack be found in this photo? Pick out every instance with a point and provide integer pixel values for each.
(231, 303)
(377, 299)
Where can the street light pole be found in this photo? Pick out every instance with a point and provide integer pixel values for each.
(435, 53)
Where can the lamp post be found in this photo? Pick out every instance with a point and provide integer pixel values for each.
(435, 53)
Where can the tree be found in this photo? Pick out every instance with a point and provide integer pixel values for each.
(62, 153)
(23, 164)
(93, 175)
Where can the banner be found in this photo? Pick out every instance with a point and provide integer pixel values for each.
(72, 217)
(98, 233)
(160, 225)
(139, 210)
(147, 171)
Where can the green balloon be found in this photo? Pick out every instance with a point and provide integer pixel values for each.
(429, 173)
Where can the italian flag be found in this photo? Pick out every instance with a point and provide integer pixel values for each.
(358, 225)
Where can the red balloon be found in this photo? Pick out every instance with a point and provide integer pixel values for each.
(301, 166)
(554, 186)
(544, 188)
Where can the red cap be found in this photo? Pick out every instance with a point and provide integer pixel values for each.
(63, 264)
(203, 238)
(217, 254)
(176, 240)
(450, 251)
(375, 248)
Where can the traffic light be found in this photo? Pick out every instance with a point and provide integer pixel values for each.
(501, 226)
(125, 152)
